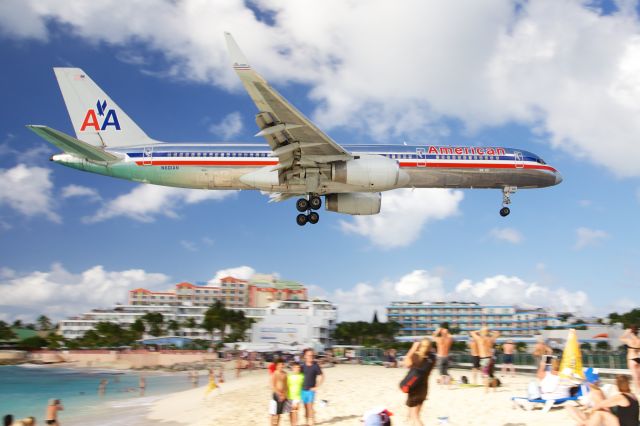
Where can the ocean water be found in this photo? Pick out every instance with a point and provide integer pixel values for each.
(25, 391)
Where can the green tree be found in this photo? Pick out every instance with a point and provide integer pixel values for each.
(603, 346)
(521, 346)
(55, 341)
(5, 332)
(44, 323)
(627, 319)
(155, 321)
(216, 317)
(138, 328)
(17, 324)
(173, 326)
(33, 342)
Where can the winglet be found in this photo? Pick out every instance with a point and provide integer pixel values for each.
(239, 60)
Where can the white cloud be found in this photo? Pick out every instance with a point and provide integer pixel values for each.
(404, 213)
(28, 190)
(189, 245)
(588, 237)
(230, 126)
(59, 293)
(360, 301)
(71, 191)
(240, 272)
(146, 202)
(18, 20)
(501, 289)
(507, 234)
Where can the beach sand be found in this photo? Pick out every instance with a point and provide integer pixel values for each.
(350, 391)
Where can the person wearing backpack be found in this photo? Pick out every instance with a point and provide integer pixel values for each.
(420, 361)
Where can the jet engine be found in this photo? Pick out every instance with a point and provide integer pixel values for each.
(370, 172)
(354, 203)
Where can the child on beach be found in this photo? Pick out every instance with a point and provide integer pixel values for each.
(294, 386)
(212, 383)
(279, 387)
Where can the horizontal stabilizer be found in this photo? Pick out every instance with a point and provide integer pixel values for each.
(72, 145)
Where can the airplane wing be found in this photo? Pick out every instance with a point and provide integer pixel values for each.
(302, 149)
(72, 145)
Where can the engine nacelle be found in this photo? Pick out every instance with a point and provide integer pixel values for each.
(371, 172)
(355, 203)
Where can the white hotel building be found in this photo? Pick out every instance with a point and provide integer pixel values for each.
(421, 318)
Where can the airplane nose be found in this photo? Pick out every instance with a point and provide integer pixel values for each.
(558, 178)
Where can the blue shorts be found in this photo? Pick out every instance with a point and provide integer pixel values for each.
(308, 396)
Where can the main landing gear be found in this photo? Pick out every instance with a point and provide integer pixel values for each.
(306, 206)
(507, 191)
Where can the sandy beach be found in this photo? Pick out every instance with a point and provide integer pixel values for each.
(351, 390)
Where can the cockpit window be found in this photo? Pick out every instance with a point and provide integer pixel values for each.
(541, 161)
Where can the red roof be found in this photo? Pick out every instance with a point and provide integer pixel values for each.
(231, 280)
(140, 290)
(185, 284)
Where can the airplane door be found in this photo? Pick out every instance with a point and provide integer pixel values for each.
(422, 159)
(147, 156)
(519, 160)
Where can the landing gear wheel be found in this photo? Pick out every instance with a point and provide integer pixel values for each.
(301, 219)
(505, 211)
(315, 202)
(313, 218)
(302, 205)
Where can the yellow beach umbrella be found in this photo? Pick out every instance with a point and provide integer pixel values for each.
(571, 363)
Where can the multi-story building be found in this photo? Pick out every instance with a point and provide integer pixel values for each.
(231, 291)
(297, 323)
(262, 292)
(420, 318)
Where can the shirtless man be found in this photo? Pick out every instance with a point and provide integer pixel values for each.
(51, 418)
(279, 387)
(443, 343)
(485, 340)
(507, 362)
(475, 359)
(632, 341)
(540, 350)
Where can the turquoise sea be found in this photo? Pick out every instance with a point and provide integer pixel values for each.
(25, 390)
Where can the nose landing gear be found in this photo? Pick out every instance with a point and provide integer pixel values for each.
(507, 191)
(312, 202)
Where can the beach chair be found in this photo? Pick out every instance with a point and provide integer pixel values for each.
(546, 403)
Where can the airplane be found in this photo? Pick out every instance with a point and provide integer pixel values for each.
(298, 160)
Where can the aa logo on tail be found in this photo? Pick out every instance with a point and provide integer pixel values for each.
(91, 119)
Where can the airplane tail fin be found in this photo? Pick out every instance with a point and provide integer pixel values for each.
(96, 118)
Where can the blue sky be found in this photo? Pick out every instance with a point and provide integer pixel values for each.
(533, 85)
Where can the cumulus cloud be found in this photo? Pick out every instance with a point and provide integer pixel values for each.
(146, 202)
(58, 293)
(228, 127)
(28, 190)
(588, 237)
(509, 235)
(240, 272)
(487, 63)
(403, 214)
(72, 191)
(360, 301)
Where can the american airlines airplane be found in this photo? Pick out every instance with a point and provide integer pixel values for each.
(299, 160)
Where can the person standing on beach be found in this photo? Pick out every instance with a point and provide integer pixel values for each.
(195, 378)
(485, 340)
(278, 402)
(102, 387)
(507, 360)
(632, 342)
(443, 341)
(313, 378)
(475, 359)
(294, 386)
(239, 364)
(212, 383)
(142, 384)
(422, 359)
(51, 416)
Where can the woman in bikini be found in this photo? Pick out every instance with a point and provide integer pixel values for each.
(632, 341)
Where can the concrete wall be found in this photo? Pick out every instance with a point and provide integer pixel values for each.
(12, 355)
(127, 359)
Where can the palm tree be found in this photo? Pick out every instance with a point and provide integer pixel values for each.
(155, 320)
(215, 319)
(44, 323)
